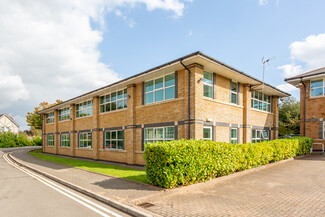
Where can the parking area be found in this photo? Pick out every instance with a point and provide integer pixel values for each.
(295, 188)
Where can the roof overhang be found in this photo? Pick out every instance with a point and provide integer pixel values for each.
(210, 64)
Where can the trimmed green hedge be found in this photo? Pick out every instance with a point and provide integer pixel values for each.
(8, 139)
(184, 162)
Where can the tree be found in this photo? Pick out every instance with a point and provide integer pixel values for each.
(289, 116)
(35, 120)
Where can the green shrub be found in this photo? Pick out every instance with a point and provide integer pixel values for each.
(184, 162)
(8, 139)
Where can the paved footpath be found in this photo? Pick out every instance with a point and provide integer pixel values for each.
(295, 188)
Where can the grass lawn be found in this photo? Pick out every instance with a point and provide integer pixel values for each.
(117, 171)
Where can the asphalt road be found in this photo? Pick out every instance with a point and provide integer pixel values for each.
(26, 194)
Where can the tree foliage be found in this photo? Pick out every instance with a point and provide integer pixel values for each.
(289, 116)
(35, 120)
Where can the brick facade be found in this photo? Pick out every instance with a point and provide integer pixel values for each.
(216, 112)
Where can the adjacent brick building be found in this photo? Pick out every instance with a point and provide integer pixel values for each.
(312, 102)
(194, 96)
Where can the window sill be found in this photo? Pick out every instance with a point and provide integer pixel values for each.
(84, 149)
(316, 97)
(65, 120)
(49, 123)
(112, 150)
(50, 146)
(64, 147)
(139, 152)
(161, 102)
(224, 103)
(266, 112)
(112, 112)
(83, 117)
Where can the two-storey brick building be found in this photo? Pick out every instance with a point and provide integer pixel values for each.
(194, 96)
(312, 102)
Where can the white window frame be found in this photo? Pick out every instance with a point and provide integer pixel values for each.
(65, 140)
(253, 94)
(261, 138)
(155, 139)
(49, 118)
(162, 88)
(116, 139)
(50, 140)
(323, 88)
(210, 128)
(124, 99)
(85, 140)
(207, 84)
(234, 139)
(64, 114)
(233, 92)
(83, 109)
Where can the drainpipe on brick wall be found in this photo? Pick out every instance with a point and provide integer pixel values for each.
(304, 106)
(188, 99)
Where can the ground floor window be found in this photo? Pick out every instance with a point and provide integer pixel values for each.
(85, 140)
(114, 139)
(207, 133)
(234, 136)
(159, 134)
(260, 135)
(50, 140)
(65, 140)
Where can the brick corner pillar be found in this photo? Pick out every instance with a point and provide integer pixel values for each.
(196, 100)
(275, 109)
(247, 132)
(95, 132)
(130, 131)
(73, 135)
(44, 142)
(56, 135)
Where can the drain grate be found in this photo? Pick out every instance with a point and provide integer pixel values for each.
(146, 205)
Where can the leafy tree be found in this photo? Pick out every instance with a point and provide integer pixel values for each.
(289, 116)
(35, 120)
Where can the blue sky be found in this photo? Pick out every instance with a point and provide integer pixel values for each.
(60, 49)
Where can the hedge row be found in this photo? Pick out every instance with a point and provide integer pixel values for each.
(184, 162)
(8, 139)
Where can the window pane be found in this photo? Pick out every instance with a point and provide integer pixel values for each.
(233, 87)
(170, 93)
(125, 93)
(170, 80)
(120, 104)
(102, 98)
(258, 134)
(148, 133)
(207, 78)
(113, 146)
(159, 95)
(149, 97)
(318, 83)
(102, 109)
(108, 135)
(207, 91)
(120, 94)
(253, 133)
(260, 96)
(234, 98)
(316, 92)
(264, 106)
(206, 133)
(260, 105)
(113, 106)
(268, 107)
(120, 134)
(108, 144)
(113, 134)
(120, 145)
(159, 133)
(149, 86)
(125, 103)
(108, 98)
(170, 133)
(255, 104)
(159, 83)
(113, 96)
(234, 133)
(108, 107)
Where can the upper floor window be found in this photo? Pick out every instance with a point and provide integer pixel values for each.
(64, 114)
(207, 84)
(160, 89)
(261, 101)
(233, 92)
(260, 135)
(84, 109)
(49, 118)
(317, 88)
(113, 101)
(159, 134)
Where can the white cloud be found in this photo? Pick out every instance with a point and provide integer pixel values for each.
(290, 70)
(310, 53)
(263, 2)
(49, 50)
(286, 87)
